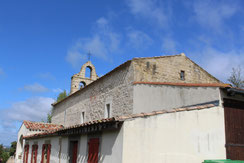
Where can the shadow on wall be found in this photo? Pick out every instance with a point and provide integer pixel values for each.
(107, 143)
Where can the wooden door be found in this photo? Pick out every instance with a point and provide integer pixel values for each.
(93, 150)
(74, 151)
(234, 129)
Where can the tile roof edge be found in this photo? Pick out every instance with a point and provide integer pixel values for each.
(222, 85)
(123, 118)
(175, 110)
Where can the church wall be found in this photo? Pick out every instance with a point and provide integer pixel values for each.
(116, 88)
(181, 137)
(168, 69)
(148, 98)
(110, 147)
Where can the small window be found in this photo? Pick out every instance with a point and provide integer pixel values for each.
(182, 75)
(82, 119)
(108, 111)
(64, 116)
(154, 69)
(148, 65)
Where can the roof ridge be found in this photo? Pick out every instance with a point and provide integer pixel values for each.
(41, 122)
(162, 56)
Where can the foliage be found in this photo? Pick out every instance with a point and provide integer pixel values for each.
(236, 78)
(4, 154)
(13, 148)
(62, 96)
(49, 117)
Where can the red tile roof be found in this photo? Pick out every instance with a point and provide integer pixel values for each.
(40, 126)
(53, 132)
(121, 119)
(222, 85)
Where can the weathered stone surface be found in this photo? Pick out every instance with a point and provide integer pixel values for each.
(168, 68)
(116, 87)
(81, 78)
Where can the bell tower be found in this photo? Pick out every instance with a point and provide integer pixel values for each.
(78, 81)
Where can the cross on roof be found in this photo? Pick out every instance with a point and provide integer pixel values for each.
(89, 56)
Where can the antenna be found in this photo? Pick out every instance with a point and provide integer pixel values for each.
(89, 56)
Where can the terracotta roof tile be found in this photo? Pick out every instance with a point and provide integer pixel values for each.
(40, 126)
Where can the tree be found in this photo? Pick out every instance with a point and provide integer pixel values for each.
(60, 97)
(4, 155)
(13, 148)
(236, 78)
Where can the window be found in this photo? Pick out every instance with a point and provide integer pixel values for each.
(34, 153)
(93, 150)
(148, 65)
(46, 151)
(182, 75)
(26, 153)
(154, 69)
(107, 111)
(82, 118)
(64, 115)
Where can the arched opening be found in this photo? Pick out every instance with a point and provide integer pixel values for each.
(88, 72)
(82, 84)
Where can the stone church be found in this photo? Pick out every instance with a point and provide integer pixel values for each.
(163, 109)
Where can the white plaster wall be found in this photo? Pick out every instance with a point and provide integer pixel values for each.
(182, 137)
(148, 98)
(83, 151)
(111, 147)
(55, 147)
(19, 149)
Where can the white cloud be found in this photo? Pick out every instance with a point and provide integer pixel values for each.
(150, 10)
(212, 14)
(138, 39)
(169, 46)
(57, 90)
(34, 88)
(219, 63)
(101, 44)
(33, 109)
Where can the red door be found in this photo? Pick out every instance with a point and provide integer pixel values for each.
(75, 148)
(93, 150)
(234, 129)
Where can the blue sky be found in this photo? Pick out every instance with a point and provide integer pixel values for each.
(43, 43)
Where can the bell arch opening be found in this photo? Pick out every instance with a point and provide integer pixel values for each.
(82, 85)
(88, 73)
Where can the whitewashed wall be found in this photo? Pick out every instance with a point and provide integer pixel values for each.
(23, 131)
(148, 98)
(110, 147)
(182, 137)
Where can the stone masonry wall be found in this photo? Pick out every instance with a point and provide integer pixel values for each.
(168, 68)
(116, 88)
